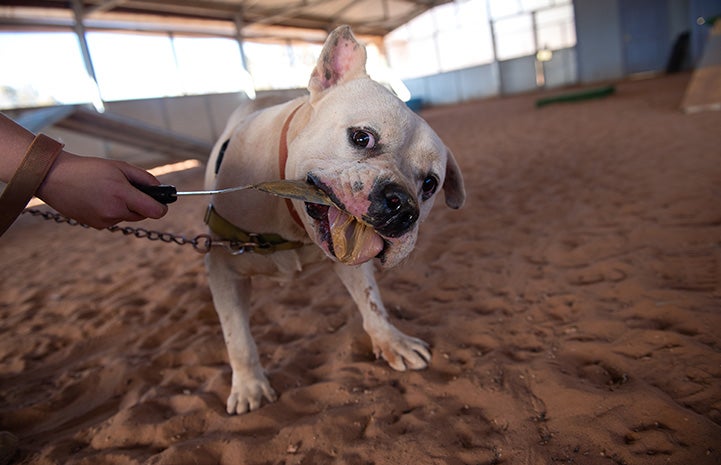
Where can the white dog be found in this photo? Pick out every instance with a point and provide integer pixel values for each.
(381, 165)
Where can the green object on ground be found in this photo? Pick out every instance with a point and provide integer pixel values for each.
(586, 94)
(710, 21)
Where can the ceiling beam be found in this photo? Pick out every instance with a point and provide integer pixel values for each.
(179, 15)
(107, 5)
(279, 14)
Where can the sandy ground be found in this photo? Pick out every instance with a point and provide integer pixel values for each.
(573, 307)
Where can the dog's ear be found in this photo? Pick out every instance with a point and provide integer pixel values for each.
(341, 59)
(453, 187)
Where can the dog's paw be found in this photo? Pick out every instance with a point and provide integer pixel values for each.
(402, 352)
(247, 394)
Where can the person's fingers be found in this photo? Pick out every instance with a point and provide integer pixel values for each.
(138, 175)
(137, 201)
(144, 206)
(132, 216)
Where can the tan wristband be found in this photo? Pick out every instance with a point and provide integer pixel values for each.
(39, 158)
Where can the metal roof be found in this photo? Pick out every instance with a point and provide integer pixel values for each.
(257, 19)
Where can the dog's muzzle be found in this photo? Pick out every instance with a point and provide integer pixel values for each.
(391, 213)
(393, 210)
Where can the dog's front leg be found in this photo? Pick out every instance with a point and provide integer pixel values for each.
(399, 350)
(231, 296)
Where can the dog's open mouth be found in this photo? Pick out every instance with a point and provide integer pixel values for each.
(351, 241)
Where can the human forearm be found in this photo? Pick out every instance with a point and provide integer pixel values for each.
(94, 191)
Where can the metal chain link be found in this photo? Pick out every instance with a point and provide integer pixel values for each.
(201, 243)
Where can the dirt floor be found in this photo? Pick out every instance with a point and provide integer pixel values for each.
(573, 307)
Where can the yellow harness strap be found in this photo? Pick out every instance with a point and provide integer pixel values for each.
(265, 243)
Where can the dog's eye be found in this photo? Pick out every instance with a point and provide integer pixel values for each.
(429, 186)
(362, 138)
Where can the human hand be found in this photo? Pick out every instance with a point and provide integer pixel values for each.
(98, 192)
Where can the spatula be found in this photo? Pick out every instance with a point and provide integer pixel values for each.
(287, 188)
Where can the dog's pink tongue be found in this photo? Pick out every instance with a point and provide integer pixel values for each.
(354, 242)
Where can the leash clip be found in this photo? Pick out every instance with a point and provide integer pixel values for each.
(255, 243)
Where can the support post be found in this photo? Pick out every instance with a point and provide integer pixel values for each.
(79, 28)
(247, 78)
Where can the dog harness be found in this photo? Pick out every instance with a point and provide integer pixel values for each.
(265, 243)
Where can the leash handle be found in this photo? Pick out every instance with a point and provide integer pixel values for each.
(163, 193)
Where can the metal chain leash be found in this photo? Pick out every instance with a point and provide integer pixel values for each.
(201, 243)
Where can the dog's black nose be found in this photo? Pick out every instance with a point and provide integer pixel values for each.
(393, 211)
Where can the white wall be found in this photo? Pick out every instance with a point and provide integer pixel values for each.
(501, 78)
(598, 40)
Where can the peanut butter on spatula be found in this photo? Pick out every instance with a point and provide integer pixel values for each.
(354, 241)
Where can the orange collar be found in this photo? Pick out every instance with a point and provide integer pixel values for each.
(283, 159)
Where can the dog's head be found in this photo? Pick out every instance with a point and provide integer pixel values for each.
(378, 161)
